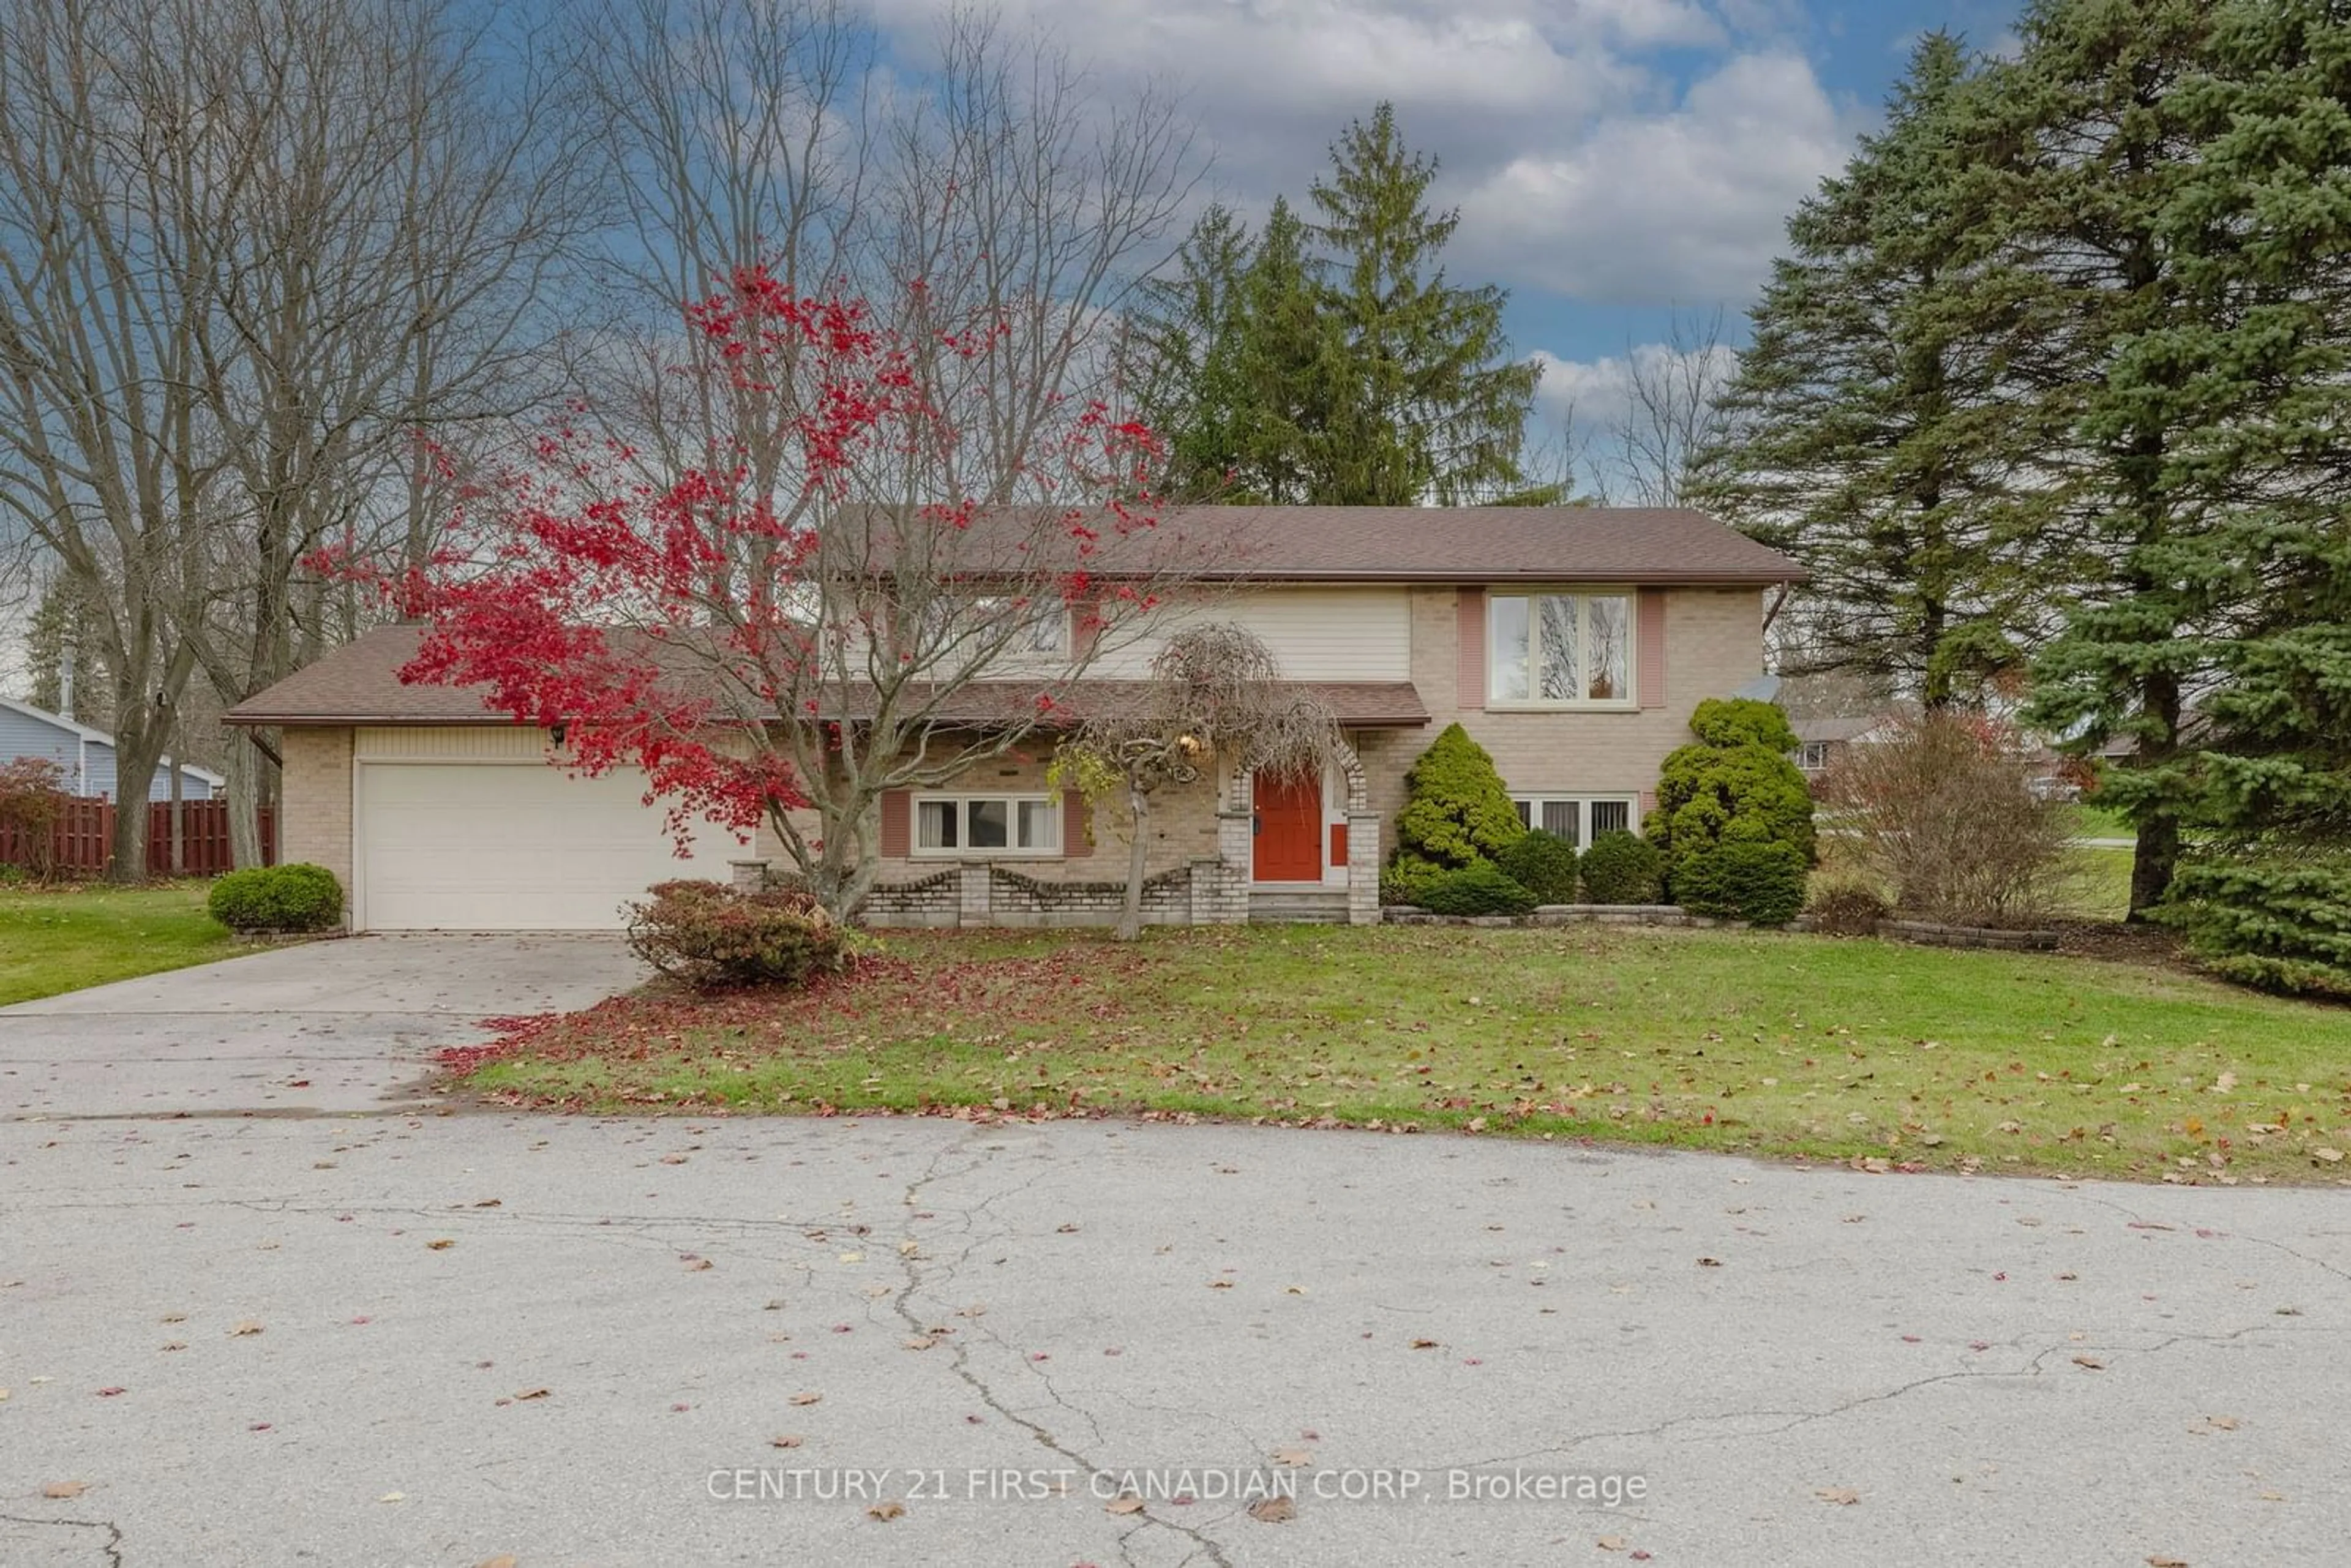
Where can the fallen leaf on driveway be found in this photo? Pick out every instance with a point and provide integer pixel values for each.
(2165, 1560)
(64, 1489)
(441, 1246)
(1127, 1504)
(1709, 1262)
(1844, 1497)
(533, 1393)
(110, 1391)
(806, 1398)
(502, 1559)
(1610, 1543)
(393, 1497)
(1423, 1344)
(489, 1203)
(1273, 1511)
(246, 1328)
(1294, 1458)
(786, 1440)
(174, 1344)
(2089, 1364)
(695, 1265)
(673, 1159)
(885, 1511)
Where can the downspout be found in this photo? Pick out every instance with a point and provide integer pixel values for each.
(1777, 605)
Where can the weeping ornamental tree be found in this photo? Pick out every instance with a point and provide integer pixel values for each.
(1216, 703)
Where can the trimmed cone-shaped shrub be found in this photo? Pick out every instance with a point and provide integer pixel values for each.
(1455, 810)
(1762, 882)
(1623, 868)
(1742, 721)
(705, 933)
(1544, 863)
(1480, 888)
(297, 897)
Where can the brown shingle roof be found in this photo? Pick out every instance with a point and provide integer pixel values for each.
(359, 682)
(1477, 544)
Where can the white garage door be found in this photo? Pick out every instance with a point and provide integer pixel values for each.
(512, 847)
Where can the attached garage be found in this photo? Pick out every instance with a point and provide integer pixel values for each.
(509, 845)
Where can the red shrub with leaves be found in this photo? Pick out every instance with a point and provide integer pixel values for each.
(705, 933)
(32, 798)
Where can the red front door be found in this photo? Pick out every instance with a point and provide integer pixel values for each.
(1288, 827)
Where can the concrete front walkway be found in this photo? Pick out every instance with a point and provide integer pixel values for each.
(443, 1341)
(333, 1026)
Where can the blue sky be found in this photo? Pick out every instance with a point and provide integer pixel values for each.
(1612, 160)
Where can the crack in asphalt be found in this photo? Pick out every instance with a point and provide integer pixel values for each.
(912, 1263)
(111, 1546)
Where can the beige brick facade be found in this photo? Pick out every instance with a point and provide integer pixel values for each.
(316, 824)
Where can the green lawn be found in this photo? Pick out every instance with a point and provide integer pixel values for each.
(1763, 1042)
(63, 939)
(2089, 822)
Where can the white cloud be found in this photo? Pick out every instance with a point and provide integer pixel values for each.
(1686, 204)
(1580, 162)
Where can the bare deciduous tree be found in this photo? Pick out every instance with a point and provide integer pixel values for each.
(1670, 414)
(1215, 700)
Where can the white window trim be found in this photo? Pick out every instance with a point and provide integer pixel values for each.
(1629, 703)
(1534, 800)
(915, 849)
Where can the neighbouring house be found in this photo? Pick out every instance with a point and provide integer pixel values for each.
(85, 756)
(1572, 642)
(1820, 741)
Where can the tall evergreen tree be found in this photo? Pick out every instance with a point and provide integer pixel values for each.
(1873, 435)
(1433, 406)
(2105, 149)
(1332, 363)
(2262, 230)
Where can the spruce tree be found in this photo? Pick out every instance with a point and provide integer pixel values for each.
(1183, 358)
(2102, 145)
(1433, 408)
(1874, 438)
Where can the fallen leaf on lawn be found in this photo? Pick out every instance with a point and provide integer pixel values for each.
(1844, 1497)
(64, 1489)
(533, 1393)
(786, 1440)
(2089, 1364)
(806, 1398)
(1127, 1504)
(1294, 1458)
(245, 1329)
(2329, 1155)
(441, 1246)
(885, 1511)
(1610, 1543)
(1273, 1511)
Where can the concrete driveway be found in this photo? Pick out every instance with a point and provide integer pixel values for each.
(334, 1025)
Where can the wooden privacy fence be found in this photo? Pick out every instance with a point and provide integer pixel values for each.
(81, 840)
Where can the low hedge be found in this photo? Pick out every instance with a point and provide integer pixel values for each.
(1623, 868)
(1544, 863)
(1763, 882)
(297, 897)
(1480, 887)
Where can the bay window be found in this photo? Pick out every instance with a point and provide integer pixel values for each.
(1559, 650)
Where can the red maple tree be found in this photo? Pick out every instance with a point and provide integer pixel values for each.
(894, 564)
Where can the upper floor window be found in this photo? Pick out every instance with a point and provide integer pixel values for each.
(990, 621)
(1559, 650)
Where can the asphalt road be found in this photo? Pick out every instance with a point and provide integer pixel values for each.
(428, 1339)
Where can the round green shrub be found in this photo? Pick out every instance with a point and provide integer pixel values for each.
(297, 897)
(1405, 879)
(1455, 810)
(1742, 721)
(1480, 887)
(1544, 863)
(1763, 883)
(706, 934)
(1623, 868)
(1734, 785)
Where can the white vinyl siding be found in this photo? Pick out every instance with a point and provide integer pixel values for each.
(1316, 633)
